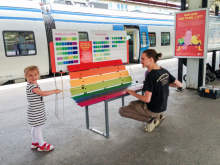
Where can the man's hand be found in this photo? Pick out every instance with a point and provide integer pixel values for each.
(131, 92)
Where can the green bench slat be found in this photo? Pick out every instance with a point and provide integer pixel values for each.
(96, 92)
(100, 85)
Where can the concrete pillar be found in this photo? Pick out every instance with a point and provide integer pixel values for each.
(193, 64)
(194, 4)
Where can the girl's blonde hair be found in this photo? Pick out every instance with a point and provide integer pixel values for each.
(30, 68)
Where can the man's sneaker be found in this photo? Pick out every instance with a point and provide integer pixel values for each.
(34, 146)
(160, 119)
(151, 125)
(45, 147)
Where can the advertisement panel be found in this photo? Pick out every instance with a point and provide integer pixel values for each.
(191, 29)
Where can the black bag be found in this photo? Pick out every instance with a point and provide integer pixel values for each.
(217, 73)
(209, 92)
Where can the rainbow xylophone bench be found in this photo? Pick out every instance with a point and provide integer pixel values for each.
(92, 83)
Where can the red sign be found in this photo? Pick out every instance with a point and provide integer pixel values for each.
(190, 34)
(85, 49)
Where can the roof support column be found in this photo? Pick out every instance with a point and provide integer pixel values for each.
(180, 60)
(195, 67)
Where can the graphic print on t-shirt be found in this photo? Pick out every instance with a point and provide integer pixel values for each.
(164, 78)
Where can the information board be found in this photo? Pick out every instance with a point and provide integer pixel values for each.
(66, 48)
(109, 45)
(214, 33)
(191, 33)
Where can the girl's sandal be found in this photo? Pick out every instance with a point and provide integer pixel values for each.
(45, 147)
(34, 145)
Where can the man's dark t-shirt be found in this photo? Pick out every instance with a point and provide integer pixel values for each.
(157, 82)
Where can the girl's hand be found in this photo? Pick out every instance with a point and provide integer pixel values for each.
(131, 92)
(57, 91)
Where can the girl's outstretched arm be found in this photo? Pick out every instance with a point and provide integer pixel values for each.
(46, 93)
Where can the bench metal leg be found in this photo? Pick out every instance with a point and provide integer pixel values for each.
(106, 121)
(123, 101)
(87, 117)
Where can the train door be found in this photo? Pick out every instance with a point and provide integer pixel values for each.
(144, 38)
(133, 36)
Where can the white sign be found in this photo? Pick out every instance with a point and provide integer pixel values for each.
(66, 48)
(109, 45)
(214, 33)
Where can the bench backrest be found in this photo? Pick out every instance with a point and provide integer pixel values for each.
(92, 80)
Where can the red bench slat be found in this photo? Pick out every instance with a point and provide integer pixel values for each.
(85, 66)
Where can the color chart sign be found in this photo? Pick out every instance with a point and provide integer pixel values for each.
(66, 48)
(191, 34)
(109, 45)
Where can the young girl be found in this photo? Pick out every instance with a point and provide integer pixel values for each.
(36, 110)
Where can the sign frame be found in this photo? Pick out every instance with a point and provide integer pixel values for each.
(205, 34)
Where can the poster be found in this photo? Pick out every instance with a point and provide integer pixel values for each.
(66, 48)
(109, 45)
(85, 49)
(191, 34)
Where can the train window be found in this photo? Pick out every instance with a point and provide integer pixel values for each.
(165, 38)
(83, 36)
(19, 43)
(143, 40)
(152, 39)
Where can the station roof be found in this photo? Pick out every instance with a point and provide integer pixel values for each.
(175, 4)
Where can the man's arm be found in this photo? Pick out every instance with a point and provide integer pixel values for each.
(176, 83)
(146, 98)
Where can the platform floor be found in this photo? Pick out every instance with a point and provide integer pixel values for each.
(190, 133)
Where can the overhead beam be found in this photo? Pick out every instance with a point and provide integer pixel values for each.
(156, 3)
(148, 3)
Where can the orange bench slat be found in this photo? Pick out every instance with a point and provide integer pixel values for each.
(98, 78)
(92, 72)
